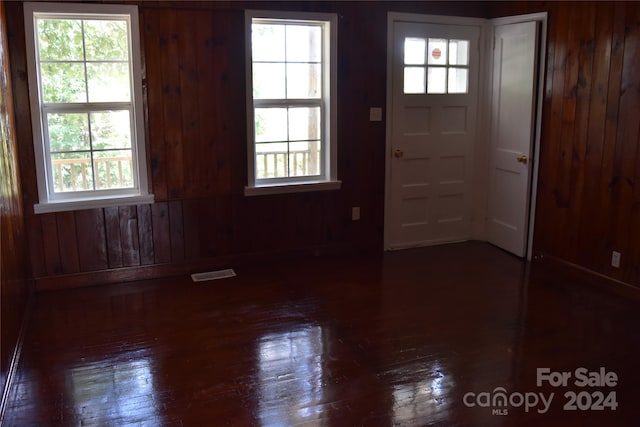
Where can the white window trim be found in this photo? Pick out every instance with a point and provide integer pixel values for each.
(49, 201)
(329, 179)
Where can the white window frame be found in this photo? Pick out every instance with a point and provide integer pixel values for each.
(328, 179)
(49, 200)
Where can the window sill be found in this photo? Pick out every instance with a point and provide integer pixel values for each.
(292, 188)
(92, 203)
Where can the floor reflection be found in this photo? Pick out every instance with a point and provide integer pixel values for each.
(119, 388)
(414, 402)
(290, 377)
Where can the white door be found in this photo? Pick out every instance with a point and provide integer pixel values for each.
(512, 135)
(433, 130)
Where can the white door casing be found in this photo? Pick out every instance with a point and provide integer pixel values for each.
(512, 134)
(432, 137)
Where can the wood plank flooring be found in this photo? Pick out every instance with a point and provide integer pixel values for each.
(399, 339)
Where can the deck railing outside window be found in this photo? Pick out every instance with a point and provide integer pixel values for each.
(76, 175)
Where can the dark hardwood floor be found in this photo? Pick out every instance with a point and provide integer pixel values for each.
(394, 340)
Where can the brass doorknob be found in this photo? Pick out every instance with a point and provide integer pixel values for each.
(398, 153)
(522, 158)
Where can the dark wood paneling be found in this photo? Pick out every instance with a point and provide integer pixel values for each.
(589, 152)
(171, 101)
(145, 235)
(192, 85)
(161, 232)
(590, 242)
(50, 240)
(626, 163)
(36, 245)
(584, 20)
(69, 261)
(176, 225)
(14, 269)
(152, 59)
(129, 236)
(614, 116)
(92, 246)
(114, 242)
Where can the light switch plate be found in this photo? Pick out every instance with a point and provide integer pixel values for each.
(355, 213)
(375, 114)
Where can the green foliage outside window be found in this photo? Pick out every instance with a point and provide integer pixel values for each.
(85, 60)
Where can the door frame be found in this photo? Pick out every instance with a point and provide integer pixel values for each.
(541, 18)
(481, 159)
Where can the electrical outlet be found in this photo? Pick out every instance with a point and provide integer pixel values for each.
(615, 259)
(355, 213)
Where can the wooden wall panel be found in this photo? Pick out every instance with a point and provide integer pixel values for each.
(14, 269)
(145, 235)
(589, 242)
(584, 20)
(153, 85)
(614, 117)
(176, 225)
(171, 102)
(50, 242)
(114, 242)
(191, 87)
(128, 221)
(161, 232)
(627, 146)
(68, 245)
(92, 241)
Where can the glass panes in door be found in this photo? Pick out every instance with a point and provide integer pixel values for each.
(435, 66)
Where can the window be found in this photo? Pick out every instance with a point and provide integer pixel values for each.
(436, 66)
(291, 102)
(86, 105)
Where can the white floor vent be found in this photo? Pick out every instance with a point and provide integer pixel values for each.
(213, 275)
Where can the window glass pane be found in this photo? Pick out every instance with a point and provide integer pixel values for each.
(436, 79)
(287, 66)
(267, 42)
(437, 52)
(63, 82)
(60, 39)
(458, 78)
(414, 51)
(304, 158)
(304, 123)
(83, 58)
(272, 160)
(113, 169)
(268, 81)
(414, 81)
(68, 132)
(459, 52)
(71, 172)
(303, 81)
(110, 129)
(106, 40)
(304, 43)
(271, 124)
(108, 82)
